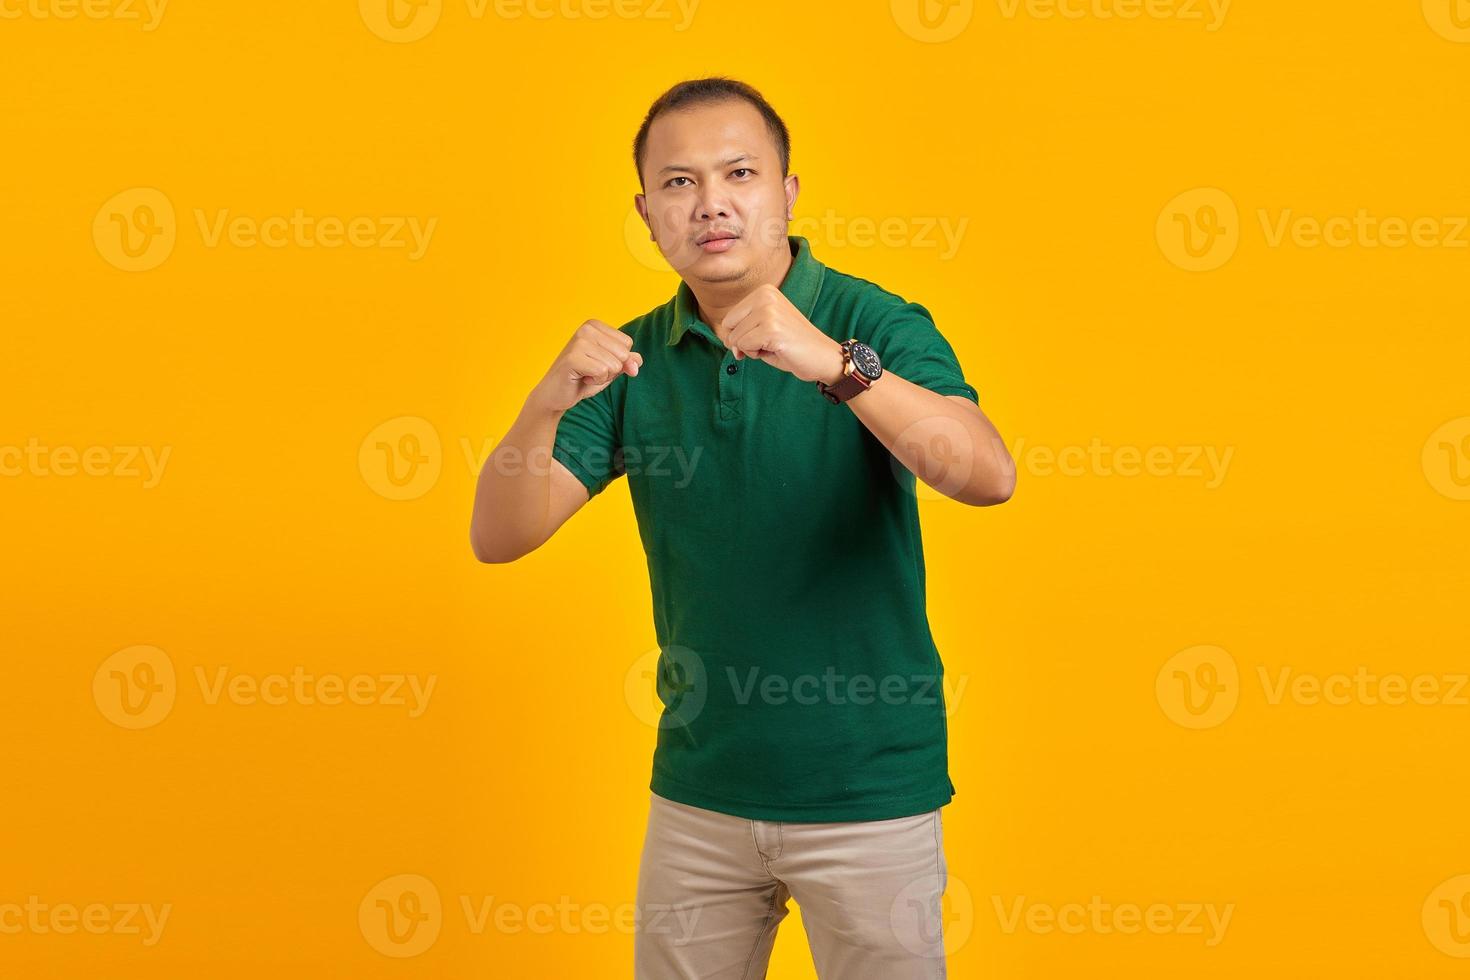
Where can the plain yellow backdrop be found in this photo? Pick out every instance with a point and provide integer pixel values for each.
(1243, 473)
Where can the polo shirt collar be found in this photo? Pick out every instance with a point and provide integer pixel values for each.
(803, 282)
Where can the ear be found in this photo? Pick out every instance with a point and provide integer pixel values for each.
(640, 202)
(793, 187)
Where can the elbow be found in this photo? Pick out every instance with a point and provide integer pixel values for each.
(994, 491)
(489, 553)
(986, 498)
(998, 496)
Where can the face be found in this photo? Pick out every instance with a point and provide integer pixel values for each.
(714, 197)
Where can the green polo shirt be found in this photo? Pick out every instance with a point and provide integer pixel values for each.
(798, 675)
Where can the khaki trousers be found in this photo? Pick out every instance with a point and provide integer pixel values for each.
(712, 890)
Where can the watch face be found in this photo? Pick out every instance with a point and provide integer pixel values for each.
(865, 359)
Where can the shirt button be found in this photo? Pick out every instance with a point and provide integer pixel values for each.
(729, 369)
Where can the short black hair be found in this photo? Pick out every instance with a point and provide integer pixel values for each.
(706, 91)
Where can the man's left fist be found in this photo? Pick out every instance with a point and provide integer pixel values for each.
(765, 325)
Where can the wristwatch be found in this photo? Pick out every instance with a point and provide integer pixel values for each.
(860, 368)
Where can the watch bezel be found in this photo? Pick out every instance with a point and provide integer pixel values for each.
(853, 348)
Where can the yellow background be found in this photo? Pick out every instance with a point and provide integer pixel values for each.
(1336, 538)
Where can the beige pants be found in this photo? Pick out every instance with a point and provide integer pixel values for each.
(712, 889)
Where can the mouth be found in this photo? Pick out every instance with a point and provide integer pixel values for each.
(717, 241)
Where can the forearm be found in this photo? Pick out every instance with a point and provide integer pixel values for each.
(513, 495)
(947, 442)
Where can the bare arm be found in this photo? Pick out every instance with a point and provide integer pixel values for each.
(944, 440)
(524, 495)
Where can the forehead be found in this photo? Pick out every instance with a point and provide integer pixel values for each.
(706, 134)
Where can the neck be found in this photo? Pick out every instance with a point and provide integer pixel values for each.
(716, 300)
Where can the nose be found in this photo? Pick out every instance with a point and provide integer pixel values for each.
(711, 206)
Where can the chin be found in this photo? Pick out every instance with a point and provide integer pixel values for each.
(719, 267)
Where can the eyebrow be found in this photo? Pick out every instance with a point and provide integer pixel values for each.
(724, 163)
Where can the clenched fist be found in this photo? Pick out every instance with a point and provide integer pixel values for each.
(765, 325)
(596, 354)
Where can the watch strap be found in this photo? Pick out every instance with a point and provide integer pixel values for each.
(852, 381)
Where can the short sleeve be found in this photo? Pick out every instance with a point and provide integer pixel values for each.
(911, 346)
(587, 442)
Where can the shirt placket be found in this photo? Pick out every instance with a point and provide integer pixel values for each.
(731, 380)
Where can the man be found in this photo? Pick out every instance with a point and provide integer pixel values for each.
(772, 419)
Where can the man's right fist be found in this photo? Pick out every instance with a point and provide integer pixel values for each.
(596, 354)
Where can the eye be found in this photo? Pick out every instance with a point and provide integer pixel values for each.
(671, 181)
(741, 170)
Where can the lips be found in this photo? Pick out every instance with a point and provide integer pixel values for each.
(715, 236)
